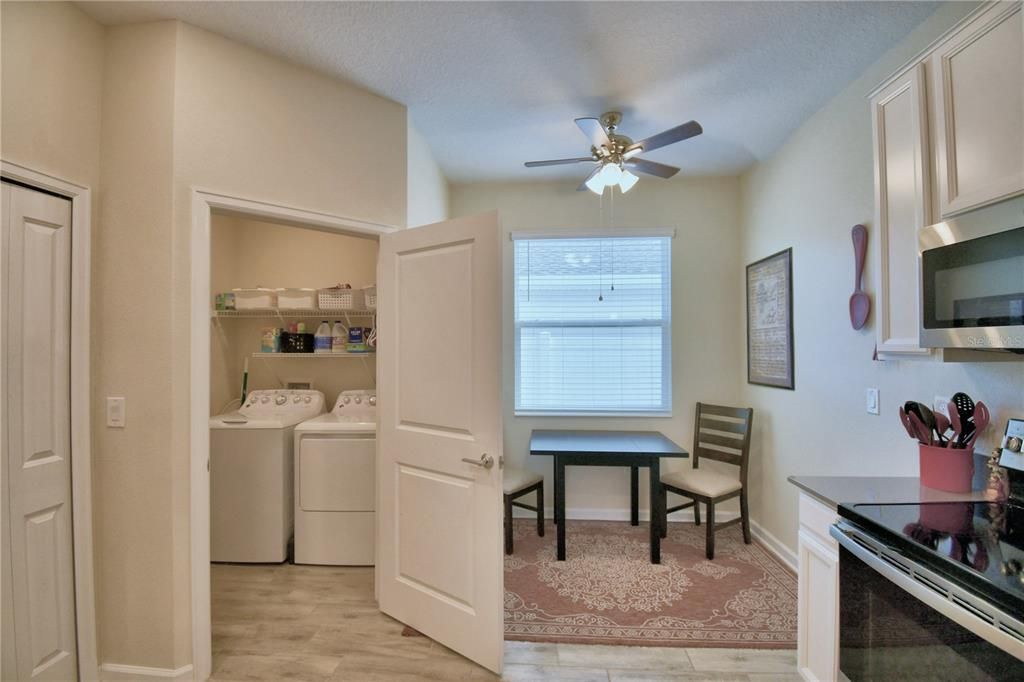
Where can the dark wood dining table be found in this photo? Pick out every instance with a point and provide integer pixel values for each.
(632, 449)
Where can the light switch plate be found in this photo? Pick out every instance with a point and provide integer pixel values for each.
(872, 401)
(940, 403)
(115, 412)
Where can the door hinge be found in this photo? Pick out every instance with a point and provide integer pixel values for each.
(501, 461)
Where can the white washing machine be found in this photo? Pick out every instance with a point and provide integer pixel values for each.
(251, 475)
(335, 483)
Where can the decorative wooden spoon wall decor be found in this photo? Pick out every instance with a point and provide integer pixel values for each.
(860, 303)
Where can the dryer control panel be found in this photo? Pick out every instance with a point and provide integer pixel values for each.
(358, 405)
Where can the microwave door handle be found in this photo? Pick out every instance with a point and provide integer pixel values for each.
(935, 591)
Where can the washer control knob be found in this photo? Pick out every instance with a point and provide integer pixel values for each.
(296, 399)
(307, 399)
(265, 399)
(346, 400)
(373, 401)
(280, 400)
(359, 400)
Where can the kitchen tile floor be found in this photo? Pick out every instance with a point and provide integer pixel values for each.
(321, 623)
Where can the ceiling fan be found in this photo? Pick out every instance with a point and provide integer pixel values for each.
(615, 155)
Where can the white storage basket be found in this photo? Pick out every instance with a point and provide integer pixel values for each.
(251, 299)
(296, 299)
(370, 297)
(340, 299)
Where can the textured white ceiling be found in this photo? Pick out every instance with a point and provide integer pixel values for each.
(493, 84)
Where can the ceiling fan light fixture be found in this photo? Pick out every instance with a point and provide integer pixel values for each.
(595, 184)
(627, 181)
(630, 153)
(610, 173)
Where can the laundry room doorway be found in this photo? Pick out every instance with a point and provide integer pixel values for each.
(257, 392)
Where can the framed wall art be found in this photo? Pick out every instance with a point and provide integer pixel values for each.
(770, 321)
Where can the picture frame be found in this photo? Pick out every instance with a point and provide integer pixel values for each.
(769, 294)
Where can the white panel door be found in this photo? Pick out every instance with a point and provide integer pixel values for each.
(440, 505)
(37, 466)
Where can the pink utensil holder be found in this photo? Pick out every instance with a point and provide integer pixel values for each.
(946, 469)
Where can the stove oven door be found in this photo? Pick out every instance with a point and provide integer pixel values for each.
(901, 621)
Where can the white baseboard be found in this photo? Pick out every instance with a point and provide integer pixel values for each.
(116, 672)
(776, 546)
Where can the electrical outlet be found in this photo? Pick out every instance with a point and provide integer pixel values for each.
(115, 412)
(872, 401)
(940, 403)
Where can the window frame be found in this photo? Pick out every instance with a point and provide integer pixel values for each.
(665, 324)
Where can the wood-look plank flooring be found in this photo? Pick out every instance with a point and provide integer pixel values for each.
(322, 624)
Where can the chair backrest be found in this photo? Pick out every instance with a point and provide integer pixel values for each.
(723, 434)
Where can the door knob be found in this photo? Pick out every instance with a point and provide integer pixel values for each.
(485, 461)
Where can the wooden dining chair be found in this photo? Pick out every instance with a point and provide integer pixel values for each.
(722, 434)
(515, 484)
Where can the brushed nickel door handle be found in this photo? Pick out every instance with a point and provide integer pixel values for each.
(485, 461)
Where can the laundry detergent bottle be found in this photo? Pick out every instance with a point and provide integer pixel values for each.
(322, 338)
(339, 337)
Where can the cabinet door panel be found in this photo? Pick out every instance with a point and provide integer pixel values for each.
(900, 135)
(818, 612)
(978, 74)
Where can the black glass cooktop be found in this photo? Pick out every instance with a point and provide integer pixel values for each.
(980, 545)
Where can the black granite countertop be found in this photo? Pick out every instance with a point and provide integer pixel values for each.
(835, 490)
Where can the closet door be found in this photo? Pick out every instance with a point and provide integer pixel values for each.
(36, 436)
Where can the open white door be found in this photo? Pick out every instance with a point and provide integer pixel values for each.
(439, 566)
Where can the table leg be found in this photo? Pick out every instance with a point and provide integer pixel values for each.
(634, 495)
(560, 506)
(554, 466)
(656, 511)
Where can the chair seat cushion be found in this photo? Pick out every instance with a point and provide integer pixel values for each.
(702, 482)
(516, 479)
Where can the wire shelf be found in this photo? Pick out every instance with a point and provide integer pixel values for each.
(269, 313)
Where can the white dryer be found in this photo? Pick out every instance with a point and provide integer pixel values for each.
(335, 483)
(251, 483)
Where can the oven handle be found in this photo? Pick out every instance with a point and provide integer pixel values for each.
(963, 608)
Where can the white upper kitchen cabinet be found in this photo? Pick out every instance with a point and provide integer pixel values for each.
(977, 104)
(900, 137)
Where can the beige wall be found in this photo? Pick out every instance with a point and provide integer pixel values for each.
(705, 332)
(52, 63)
(808, 196)
(138, 567)
(249, 253)
(428, 188)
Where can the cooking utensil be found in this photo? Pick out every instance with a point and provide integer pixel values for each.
(908, 425)
(915, 427)
(860, 303)
(941, 426)
(964, 407)
(981, 421)
(923, 413)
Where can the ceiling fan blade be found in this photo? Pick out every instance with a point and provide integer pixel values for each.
(594, 131)
(558, 162)
(661, 170)
(671, 136)
(583, 185)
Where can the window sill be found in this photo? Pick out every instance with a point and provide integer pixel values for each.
(605, 415)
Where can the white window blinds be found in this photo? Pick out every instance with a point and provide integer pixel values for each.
(593, 325)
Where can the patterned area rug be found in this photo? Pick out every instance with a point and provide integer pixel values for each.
(608, 592)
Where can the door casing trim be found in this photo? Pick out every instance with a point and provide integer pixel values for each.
(81, 404)
(204, 203)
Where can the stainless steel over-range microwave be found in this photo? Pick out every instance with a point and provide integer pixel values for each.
(972, 279)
